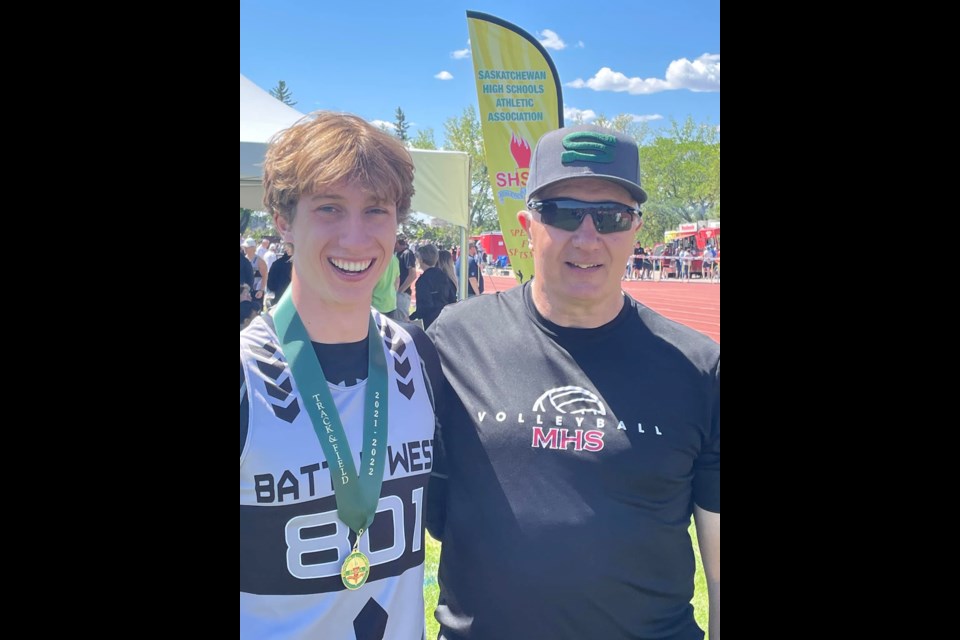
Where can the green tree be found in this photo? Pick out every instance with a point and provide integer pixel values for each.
(424, 139)
(624, 123)
(401, 125)
(463, 133)
(680, 172)
(435, 231)
(245, 218)
(282, 93)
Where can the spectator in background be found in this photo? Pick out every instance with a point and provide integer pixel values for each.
(434, 288)
(270, 256)
(263, 248)
(259, 270)
(708, 261)
(445, 262)
(408, 273)
(637, 261)
(474, 271)
(246, 270)
(647, 265)
(278, 278)
(385, 293)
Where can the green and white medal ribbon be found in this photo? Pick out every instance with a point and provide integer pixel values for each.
(357, 494)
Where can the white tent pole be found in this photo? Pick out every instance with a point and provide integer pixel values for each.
(464, 254)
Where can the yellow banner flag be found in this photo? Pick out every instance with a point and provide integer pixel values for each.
(519, 94)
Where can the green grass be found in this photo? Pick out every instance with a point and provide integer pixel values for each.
(431, 590)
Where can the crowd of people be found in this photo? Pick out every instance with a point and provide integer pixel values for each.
(560, 478)
(680, 260)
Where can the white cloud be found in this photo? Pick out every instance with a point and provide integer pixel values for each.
(550, 40)
(460, 54)
(703, 74)
(444, 75)
(571, 113)
(580, 44)
(383, 124)
(588, 115)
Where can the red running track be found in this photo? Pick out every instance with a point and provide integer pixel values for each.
(695, 304)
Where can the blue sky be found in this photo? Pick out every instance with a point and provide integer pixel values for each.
(656, 59)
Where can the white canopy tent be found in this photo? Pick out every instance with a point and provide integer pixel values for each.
(441, 179)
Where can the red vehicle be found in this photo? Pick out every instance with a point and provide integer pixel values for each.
(492, 244)
(692, 236)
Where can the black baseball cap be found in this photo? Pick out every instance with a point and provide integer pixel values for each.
(586, 151)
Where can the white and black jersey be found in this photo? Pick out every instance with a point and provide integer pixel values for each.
(292, 543)
(566, 471)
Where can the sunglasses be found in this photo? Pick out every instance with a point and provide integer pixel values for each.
(608, 217)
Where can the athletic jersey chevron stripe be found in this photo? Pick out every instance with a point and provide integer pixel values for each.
(291, 541)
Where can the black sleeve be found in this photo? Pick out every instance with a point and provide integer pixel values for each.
(436, 510)
(409, 260)
(451, 291)
(275, 275)
(429, 357)
(424, 288)
(244, 411)
(437, 489)
(246, 270)
(706, 472)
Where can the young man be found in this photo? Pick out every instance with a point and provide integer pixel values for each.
(565, 483)
(336, 421)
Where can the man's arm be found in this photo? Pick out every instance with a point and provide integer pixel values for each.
(411, 276)
(708, 533)
(262, 268)
(408, 261)
(473, 276)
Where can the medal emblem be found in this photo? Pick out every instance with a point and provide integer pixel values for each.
(355, 570)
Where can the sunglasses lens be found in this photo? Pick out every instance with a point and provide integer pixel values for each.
(566, 218)
(608, 217)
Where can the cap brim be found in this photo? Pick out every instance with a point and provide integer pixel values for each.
(636, 192)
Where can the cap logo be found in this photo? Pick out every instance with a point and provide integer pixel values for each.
(588, 146)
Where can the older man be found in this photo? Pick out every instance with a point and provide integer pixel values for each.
(580, 429)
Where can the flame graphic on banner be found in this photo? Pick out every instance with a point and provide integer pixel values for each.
(520, 150)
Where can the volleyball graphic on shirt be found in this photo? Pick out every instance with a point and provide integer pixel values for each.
(572, 400)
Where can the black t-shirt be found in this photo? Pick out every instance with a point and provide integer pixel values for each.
(568, 464)
(278, 279)
(246, 270)
(407, 261)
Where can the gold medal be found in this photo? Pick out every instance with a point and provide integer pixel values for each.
(355, 570)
